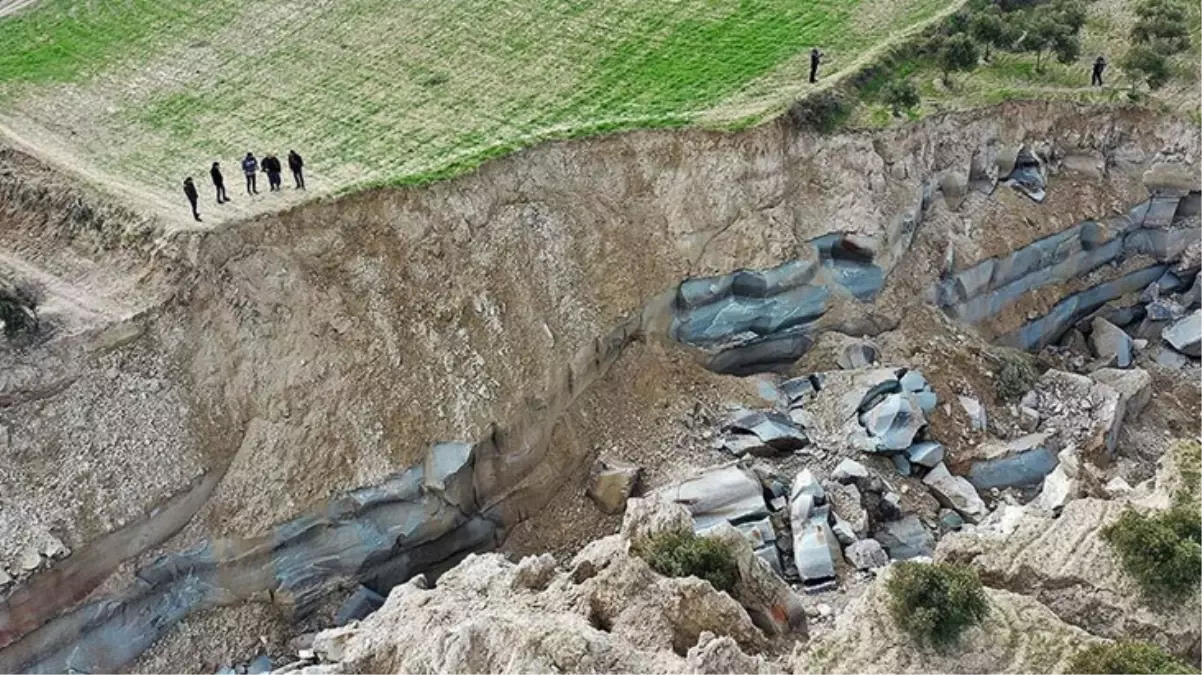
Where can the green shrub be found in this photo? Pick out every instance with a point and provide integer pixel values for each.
(1126, 657)
(823, 112)
(900, 95)
(936, 602)
(1162, 551)
(684, 554)
(1015, 377)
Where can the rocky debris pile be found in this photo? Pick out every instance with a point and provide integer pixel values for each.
(607, 612)
(1028, 175)
(1019, 635)
(32, 558)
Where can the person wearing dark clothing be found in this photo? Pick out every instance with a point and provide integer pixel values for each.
(815, 58)
(1099, 65)
(191, 194)
(271, 167)
(219, 183)
(250, 166)
(297, 165)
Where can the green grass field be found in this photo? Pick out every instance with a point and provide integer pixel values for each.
(376, 91)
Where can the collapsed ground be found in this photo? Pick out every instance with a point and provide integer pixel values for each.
(335, 348)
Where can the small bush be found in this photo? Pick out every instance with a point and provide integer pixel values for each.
(823, 112)
(1015, 377)
(1162, 551)
(18, 310)
(1126, 657)
(935, 603)
(684, 554)
(900, 95)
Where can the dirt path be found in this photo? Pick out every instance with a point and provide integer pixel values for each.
(13, 6)
(72, 307)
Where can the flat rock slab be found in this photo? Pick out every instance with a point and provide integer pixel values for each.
(1185, 335)
(718, 495)
(956, 493)
(905, 538)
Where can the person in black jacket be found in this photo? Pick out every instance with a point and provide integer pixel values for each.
(271, 167)
(219, 183)
(1099, 65)
(297, 165)
(250, 166)
(190, 193)
(815, 58)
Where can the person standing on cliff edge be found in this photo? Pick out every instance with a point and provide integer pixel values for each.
(191, 194)
(250, 166)
(297, 165)
(219, 183)
(815, 59)
(1099, 65)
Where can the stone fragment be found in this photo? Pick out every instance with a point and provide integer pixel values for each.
(849, 471)
(1134, 387)
(1110, 342)
(814, 547)
(362, 602)
(926, 454)
(759, 533)
(1028, 419)
(843, 532)
(1164, 309)
(902, 464)
(1019, 462)
(805, 484)
(955, 492)
(1058, 488)
(866, 554)
(5, 579)
(716, 495)
(1117, 488)
(857, 355)
(927, 401)
(54, 549)
(894, 422)
(30, 559)
(611, 483)
(847, 503)
(976, 413)
(260, 666)
(1167, 358)
(950, 519)
(913, 381)
(534, 572)
(1185, 335)
(905, 538)
(775, 430)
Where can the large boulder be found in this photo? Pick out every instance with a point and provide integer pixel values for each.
(1019, 635)
(611, 483)
(719, 494)
(1134, 387)
(956, 493)
(905, 538)
(1185, 335)
(894, 422)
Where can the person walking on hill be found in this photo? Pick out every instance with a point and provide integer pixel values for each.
(250, 166)
(219, 183)
(815, 59)
(191, 194)
(271, 167)
(1099, 65)
(297, 165)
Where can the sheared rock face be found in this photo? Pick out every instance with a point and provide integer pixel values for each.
(1064, 564)
(1019, 635)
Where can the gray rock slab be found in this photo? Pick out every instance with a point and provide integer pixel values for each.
(1185, 335)
(905, 538)
(849, 471)
(913, 381)
(857, 355)
(1021, 469)
(956, 493)
(866, 554)
(1108, 341)
(721, 494)
(895, 421)
(926, 454)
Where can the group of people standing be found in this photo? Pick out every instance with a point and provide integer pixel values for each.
(270, 165)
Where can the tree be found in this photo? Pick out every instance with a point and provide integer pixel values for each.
(1055, 28)
(954, 53)
(1163, 24)
(936, 602)
(900, 95)
(1146, 63)
(991, 30)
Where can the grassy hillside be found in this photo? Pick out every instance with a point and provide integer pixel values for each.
(403, 90)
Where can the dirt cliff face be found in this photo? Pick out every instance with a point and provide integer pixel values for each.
(302, 354)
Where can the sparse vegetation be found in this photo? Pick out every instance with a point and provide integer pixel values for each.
(823, 112)
(935, 603)
(684, 554)
(1163, 551)
(18, 310)
(1015, 375)
(900, 95)
(1126, 657)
